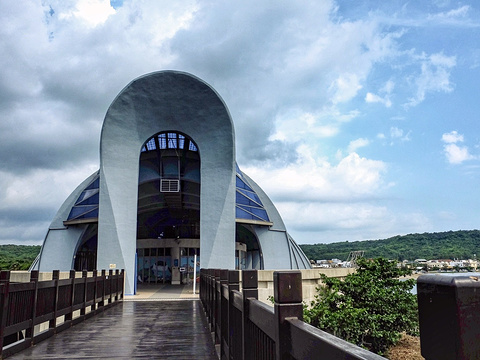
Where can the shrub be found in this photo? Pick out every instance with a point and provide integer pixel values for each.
(370, 308)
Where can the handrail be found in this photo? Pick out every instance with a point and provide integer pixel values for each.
(244, 328)
(33, 311)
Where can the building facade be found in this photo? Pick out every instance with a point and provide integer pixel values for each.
(169, 195)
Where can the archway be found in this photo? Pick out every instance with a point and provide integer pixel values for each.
(168, 213)
(248, 252)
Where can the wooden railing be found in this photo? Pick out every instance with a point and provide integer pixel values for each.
(244, 328)
(33, 311)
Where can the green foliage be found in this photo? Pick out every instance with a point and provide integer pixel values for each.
(370, 308)
(444, 245)
(17, 257)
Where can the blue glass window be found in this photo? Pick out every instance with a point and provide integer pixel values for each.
(248, 204)
(86, 206)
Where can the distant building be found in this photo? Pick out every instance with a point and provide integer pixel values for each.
(168, 190)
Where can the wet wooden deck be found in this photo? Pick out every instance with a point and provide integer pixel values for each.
(133, 330)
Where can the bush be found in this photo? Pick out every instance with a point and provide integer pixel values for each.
(370, 308)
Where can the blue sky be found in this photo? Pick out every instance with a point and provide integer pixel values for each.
(359, 119)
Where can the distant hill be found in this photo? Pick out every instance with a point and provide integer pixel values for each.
(17, 257)
(462, 244)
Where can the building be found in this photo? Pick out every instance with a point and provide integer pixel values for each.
(168, 192)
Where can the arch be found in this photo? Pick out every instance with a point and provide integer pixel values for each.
(165, 101)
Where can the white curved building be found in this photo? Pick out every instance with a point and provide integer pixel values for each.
(168, 189)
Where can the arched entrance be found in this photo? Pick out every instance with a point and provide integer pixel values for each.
(248, 252)
(86, 254)
(168, 215)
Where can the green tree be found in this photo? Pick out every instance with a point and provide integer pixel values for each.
(370, 308)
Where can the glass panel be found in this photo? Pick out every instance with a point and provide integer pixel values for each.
(151, 144)
(172, 140)
(251, 195)
(192, 146)
(240, 184)
(242, 199)
(162, 141)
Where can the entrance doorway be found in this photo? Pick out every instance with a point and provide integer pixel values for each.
(168, 217)
(154, 266)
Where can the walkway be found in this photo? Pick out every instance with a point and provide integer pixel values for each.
(164, 292)
(133, 330)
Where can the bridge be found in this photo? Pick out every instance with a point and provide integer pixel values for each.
(80, 316)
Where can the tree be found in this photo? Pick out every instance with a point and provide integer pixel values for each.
(370, 308)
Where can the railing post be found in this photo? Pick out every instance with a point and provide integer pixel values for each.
(223, 318)
(288, 304)
(69, 316)
(102, 302)
(122, 283)
(218, 306)
(449, 316)
(52, 324)
(234, 327)
(211, 299)
(110, 275)
(216, 280)
(117, 276)
(5, 284)
(94, 305)
(250, 291)
(84, 282)
(29, 332)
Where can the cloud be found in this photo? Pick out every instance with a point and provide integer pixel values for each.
(452, 137)
(454, 153)
(356, 144)
(385, 91)
(93, 12)
(398, 134)
(434, 77)
(313, 179)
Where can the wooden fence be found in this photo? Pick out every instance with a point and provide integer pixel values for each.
(55, 305)
(244, 328)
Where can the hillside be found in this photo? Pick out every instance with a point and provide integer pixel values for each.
(17, 257)
(461, 244)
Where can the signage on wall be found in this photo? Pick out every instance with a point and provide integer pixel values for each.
(113, 266)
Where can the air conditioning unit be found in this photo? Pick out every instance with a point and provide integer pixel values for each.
(167, 185)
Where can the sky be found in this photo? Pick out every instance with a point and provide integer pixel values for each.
(359, 119)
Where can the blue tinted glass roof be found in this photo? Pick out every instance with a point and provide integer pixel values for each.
(86, 206)
(248, 205)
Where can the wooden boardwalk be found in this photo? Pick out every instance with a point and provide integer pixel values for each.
(174, 329)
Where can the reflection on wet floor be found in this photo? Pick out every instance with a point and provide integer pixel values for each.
(163, 291)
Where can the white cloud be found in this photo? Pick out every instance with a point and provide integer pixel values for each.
(316, 179)
(345, 87)
(386, 90)
(452, 137)
(356, 144)
(93, 12)
(434, 77)
(455, 154)
(451, 16)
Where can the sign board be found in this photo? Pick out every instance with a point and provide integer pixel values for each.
(113, 266)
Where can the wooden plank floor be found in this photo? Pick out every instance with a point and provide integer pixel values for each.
(133, 330)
